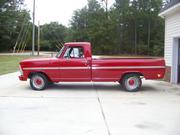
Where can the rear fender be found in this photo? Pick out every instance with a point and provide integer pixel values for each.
(131, 72)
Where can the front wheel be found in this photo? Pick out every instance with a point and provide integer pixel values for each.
(131, 82)
(38, 81)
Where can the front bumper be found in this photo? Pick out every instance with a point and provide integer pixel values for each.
(22, 78)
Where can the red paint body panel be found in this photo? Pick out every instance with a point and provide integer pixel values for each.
(148, 73)
(61, 69)
(74, 73)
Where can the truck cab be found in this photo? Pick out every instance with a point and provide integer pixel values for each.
(75, 62)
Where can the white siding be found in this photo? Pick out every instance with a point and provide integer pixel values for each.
(172, 30)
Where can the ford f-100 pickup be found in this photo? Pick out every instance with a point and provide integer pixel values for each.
(74, 63)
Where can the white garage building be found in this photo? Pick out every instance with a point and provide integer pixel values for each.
(171, 13)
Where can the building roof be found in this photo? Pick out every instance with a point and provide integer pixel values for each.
(172, 6)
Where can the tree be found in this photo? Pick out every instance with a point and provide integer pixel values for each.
(128, 27)
(11, 21)
(91, 24)
(137, 19)
(53, 36)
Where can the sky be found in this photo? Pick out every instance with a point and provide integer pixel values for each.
(56, 10)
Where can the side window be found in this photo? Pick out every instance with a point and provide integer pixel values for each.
(66, 54)
(74, 52)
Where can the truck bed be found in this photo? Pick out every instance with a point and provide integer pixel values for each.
(125, 61)
(116, 67)
(96, 57)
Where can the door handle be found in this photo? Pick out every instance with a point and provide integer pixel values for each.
(87, 63)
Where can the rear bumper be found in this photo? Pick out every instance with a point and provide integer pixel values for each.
(22, 78)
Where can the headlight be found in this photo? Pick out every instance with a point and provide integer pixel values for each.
(20, 70)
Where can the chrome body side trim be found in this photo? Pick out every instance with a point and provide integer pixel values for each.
(129, 67)
(94, 68)
(56, 68)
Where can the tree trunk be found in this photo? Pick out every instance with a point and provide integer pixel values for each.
(135, 37)
(149, 36)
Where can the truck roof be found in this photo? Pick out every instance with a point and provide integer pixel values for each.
(78, 43)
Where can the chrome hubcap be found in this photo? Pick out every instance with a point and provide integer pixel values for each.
(38, 82)
(132, 83)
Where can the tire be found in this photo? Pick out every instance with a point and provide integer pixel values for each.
(38, 82)
(131, 82)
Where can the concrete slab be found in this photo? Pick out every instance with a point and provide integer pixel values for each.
(12, 87)
(152, 111)
(50, 116)
(88, 109)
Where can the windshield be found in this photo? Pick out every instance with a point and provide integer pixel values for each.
(60, 52)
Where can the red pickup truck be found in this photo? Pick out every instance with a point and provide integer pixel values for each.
(74, 63)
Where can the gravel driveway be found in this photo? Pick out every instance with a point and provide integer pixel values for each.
(88, 109)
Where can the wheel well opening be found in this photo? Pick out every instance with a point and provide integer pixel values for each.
(135, 73)
(32, 73)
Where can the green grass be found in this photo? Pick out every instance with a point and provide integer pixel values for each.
(9, 64)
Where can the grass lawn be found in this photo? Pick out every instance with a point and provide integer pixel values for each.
(9, 64)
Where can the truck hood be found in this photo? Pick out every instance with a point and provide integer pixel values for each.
(33, 62)
(36, 59)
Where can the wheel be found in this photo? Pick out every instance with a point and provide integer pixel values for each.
(131, 82)
(38, 81)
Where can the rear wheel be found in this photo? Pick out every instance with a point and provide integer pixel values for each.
(131, 82)
(38, 81)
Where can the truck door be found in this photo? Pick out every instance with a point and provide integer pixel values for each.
(74, 65)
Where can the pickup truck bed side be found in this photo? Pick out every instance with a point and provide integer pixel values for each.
(113, 69)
